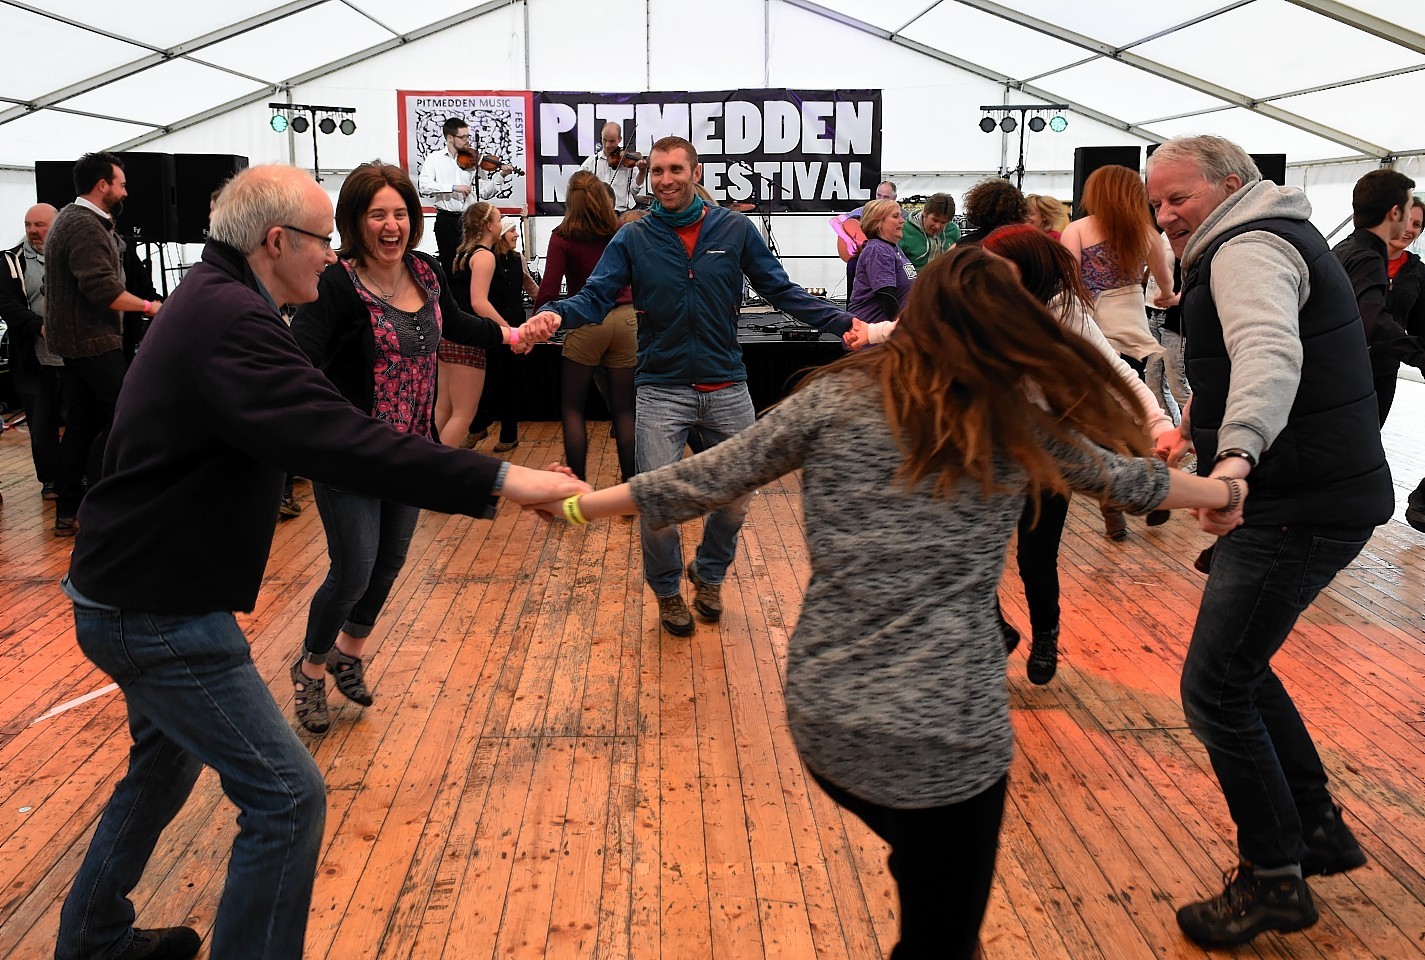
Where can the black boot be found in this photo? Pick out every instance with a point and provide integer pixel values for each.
(1248, 906)
(1006, 629)
(1043, 656)
(1331, 847)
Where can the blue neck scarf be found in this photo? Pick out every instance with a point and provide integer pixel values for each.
(682, 218)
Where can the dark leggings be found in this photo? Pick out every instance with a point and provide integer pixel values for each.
(576, 378)
(943, 862)
(1038, 557)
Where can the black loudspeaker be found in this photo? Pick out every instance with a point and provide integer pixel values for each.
(150, 213)
(1089, 159)
(54, 182)
(1272, 165)
(198, 175)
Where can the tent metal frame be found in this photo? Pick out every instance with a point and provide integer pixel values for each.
(1361, 149)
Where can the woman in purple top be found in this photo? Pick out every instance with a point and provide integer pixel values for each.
(883, 273)
(574, 249)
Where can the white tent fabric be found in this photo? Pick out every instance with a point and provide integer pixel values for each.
(1328, 83)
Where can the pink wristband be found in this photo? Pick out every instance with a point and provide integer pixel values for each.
(146, 305)
(514, 336)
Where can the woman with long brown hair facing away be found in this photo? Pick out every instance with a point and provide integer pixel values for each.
(917, 458)
(574, 249)
(1113, 243)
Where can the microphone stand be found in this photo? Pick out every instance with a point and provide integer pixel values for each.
(765, 211)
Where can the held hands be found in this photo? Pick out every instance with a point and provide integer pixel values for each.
(1171, 446)
(537, 329)
(1225, 519)
(1165, 300)
(536, 489)
(858, 336)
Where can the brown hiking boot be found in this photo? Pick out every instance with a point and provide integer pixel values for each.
(674, 615)
(707, 597)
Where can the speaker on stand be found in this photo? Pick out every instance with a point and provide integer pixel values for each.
(197, 175)
(1089, 159)
(1272, 165)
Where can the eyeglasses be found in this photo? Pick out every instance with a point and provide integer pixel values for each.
(461, 136)
(325, 239)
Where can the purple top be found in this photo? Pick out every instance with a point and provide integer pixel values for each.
(404, 373)
(1101, 272)
(879, 264)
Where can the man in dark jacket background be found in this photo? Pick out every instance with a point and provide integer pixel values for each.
(36, 369)
(84, 296)
(685, 264)
(1380, 211)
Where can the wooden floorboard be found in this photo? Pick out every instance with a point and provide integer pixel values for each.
(545, 774)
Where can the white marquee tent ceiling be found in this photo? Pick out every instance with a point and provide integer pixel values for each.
(1319, 79)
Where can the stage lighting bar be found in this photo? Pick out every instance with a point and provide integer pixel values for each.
(1026, 118)
(301, 117)
(997, 116)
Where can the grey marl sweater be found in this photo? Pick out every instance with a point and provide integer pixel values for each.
(895, 683)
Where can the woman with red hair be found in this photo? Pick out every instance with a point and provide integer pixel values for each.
(1112, 245)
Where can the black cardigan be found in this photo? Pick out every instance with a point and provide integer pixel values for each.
(218, 405)
(335, 331)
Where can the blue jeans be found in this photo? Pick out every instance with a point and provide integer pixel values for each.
(367, 541)
(666, 419)
(194, 699)
(1271, 775)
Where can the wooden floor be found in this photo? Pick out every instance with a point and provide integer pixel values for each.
(545, 775)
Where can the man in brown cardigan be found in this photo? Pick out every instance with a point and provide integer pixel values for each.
(84, 296)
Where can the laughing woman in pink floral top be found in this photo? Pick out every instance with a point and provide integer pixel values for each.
(381, 311)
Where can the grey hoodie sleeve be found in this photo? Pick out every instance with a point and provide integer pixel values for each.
(1259, 283)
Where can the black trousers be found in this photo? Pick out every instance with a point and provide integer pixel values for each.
(447, 239)
(91, 388)
(1037, 555)
(1385, 392)
(943, 862)
(40, 394)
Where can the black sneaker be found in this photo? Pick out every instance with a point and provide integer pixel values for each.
(47, 492)
(65, 526)
(1043, 656)
(1415, 516)
(673, 613)
(1248, 906)
(166, 943)
(707, 597)
(1331, 847)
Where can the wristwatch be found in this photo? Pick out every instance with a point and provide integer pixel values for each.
(1236, 452)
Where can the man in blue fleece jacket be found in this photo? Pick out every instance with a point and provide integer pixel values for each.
(685, 264)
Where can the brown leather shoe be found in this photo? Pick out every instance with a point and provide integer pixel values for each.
(673, 613)
(707, 597)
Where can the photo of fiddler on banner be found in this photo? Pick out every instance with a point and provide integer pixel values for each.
(780, 150)
(497, 151)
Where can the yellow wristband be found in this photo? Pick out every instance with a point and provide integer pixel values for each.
(572, 512)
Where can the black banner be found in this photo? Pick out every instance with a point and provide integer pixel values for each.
(780, 149)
